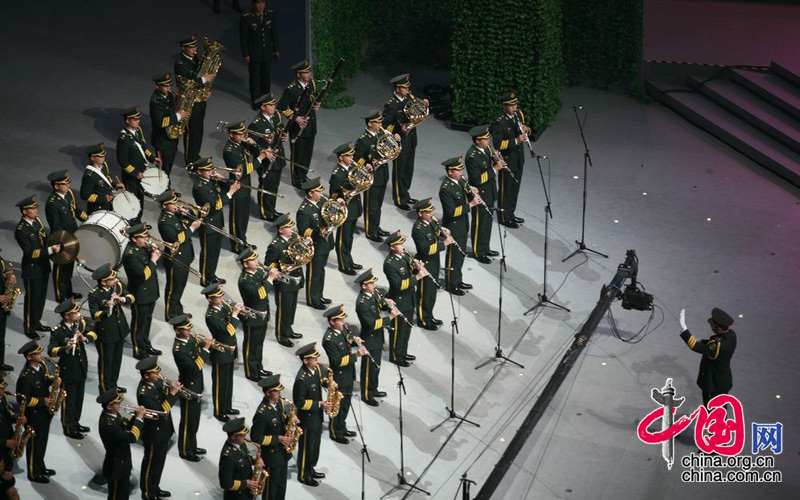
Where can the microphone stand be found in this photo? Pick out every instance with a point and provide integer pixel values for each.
(401, 480)
(587, 160)
(464, 487)
(364, 454)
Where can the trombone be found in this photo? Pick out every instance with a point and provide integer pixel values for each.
(263, 191)
(184, 392)
(197, 212)
(214, 228)
(216, 345)
(148, 413)
(268, 136)
(282, 277)
(167, 250)
(248, 312)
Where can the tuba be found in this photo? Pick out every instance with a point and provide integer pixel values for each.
(416, 111)
(298, 254)
(22, 432)
(189, 92)
(210, 62)
(260, 474)
(333, 213)
(11, 289)
(57, 394)
(387, 147)
(334, 397)
(293, 431)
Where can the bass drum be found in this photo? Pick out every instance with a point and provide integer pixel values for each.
(101, 240)
(155, 181)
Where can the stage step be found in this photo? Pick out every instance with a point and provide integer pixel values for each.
(730, 129)
(788, 71)
(771, 88)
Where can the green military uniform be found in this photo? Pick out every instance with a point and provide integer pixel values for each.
(307, 395)
(117, 434)
(269, 174)
(269, 424)
(222, 325)
(235, 465)
(62, 214)
(373, 197)
(258, 36)
(34, 385)
(190, 358)
(426, 236)
(344, 233)
(8, 417)
(402, 285)
(338, 345)
(302, 145)
(368, 309)
(187, 67)
(6, 273)
(243, 156)
(208, 191)
(714, 377)
(455, 196)
(254, 287)
(310, 225)
(504, 139)
(110, 325)
(97, 183)
(285, 293)
(31, 236)
(482, 176)
(174, 228)
(403, 166)
(162, 116)
(133, 158)
(143, 284)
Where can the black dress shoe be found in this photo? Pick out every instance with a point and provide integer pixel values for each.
(321, 307)
(221, 281)
(375, 238)
(429, 326)
(350, 434)
(380, 394)
(383, 233)
(317, 475)
(49, 472)
(164, 493)
(492, 253)
(122, 390)
(510, 225)
(456, 291)
(341, 440)
(401, 363)
(265, 373)
(222, 418)
(43, 328)
(39, 479)
(233, 411)
(350, 272)
(73, 434)
(483, 259)
(83, 428)
(438, 321)
(357, 266)
(310, 482)
(370, 402)
(412, 200)
(465, 286)
(77, 296)
(35, 336)
(404, 206)
(6, 368)
(286, 343)
(325, 300)
(153, 352)
(410, 357)
(518, 220)
(295, 335)
(191, 458)
(199, 451)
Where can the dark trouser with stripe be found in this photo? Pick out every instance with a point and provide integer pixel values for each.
(35, 297)
(271, 182)
(338, 424)
(253, 349)
(190, 422)
(402, 173)
(210, 244)
(155, 455)
(480, 231)
(142, 318)
(193, 138)
(39, 419)
(344, 244)
(284, 312)
(426, 293)
(369, 371)
(276, 482)
(222, 387)
(109, 361)
(308, 452)
(167, 155)
(238, 218)
(62, 281)
(454, 260)
(119, 489)
(373, 203)
(302, 149)
(73, 405)
(177, 276)
(508, 194)
(398, 337)
(315, 271)
(260, 78)
(3, 320)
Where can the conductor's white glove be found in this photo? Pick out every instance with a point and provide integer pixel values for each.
(683, 320)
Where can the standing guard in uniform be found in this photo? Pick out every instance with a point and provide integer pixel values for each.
(368, 308)
(154, 394)
(373, 198)
(110, 324)
(97, 186)
(457, 197)
(482, 173)
(174, 228)
(133, 156)
(8, 281)
(207, 190)
(341, 189)
(255, 282)
(426, 234)
(258, 36)
(186, 66)
(307, 396)
(117, 434)
(398, 268)
(63, 214)
(190, 356)
(268, 121)
(310, 224)
(509, 135)
(303, 140)
(67, 342)
(285, 293)
(222, 321)
(338, 343)
(235, 464)
(31, 236)
(34, 384)
(396, 121)
(8, 418)
(139, 260)
(714, 377)
(162, 116)
(269, 431)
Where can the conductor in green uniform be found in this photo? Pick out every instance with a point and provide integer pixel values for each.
(258, 36)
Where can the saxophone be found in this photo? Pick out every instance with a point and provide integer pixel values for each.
(22, 433)
(11, 290)
(293, 431)
(334, 397)
(57, 394)
(260, 474)
(189, 92)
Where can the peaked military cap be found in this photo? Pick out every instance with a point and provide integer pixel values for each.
(480, 132)
(271, 383)
(247, 254)
(132, 113)
(168, 196)
(335, 312)
(137, 230)
(308, 351)
(29, 202)
(181, 321)
(235, 426)
(189, 41)
(96, 150)
(403, 80)
(163, 79)
(67, 306)
(266, 99)
(374, 115)
(454, 163)
(314, 184)
(366, 277)
(60, 177)
(148, 364)
(31, 347)
(109, 396)
(345, 149)
(395, 238)
(425, 205)
(302, 67)
(283, 221)
(213, 290)
(202, 164)
(104, 272)
(721, 318)
(509, 98)
(236, 128)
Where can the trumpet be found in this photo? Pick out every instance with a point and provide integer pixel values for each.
(235, 171)
(216, 345)
(282, 276)
(148, 413)
(248, 312)
(184, 392)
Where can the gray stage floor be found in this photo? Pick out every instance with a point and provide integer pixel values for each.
(711, 231)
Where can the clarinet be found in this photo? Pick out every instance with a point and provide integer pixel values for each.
(383, 302)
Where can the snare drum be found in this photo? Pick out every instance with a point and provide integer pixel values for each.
(127, 205)
(155, 181)
(101, 239)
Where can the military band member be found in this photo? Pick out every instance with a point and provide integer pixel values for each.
(8, 418)
(399, 270)
(482, 173)
(396, 121)
(110, 324)
(243, 154)
(154, 394)
(268, 121)
(368, 308)
(190, 355)
(457, 198)
(63, 214)
(302, 145)
(207, 189)
(67, 342)
(285, 293)
(8, 281)
(186, 66)
(373, 197)
(258, 36)
(222, 321)
(269, 431)
(174, 228)
(117, 434)
(31, 236)
(139, 260)
(34, 384)
(307, 396)
(509, 135)
(235, 464)
(163, 116)
(310, 224)
(97, 185)
(255, 283)
(429, 240)
(342, 189)
(133, 156)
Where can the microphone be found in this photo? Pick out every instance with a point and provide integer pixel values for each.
(544, 157)
(576, 106)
